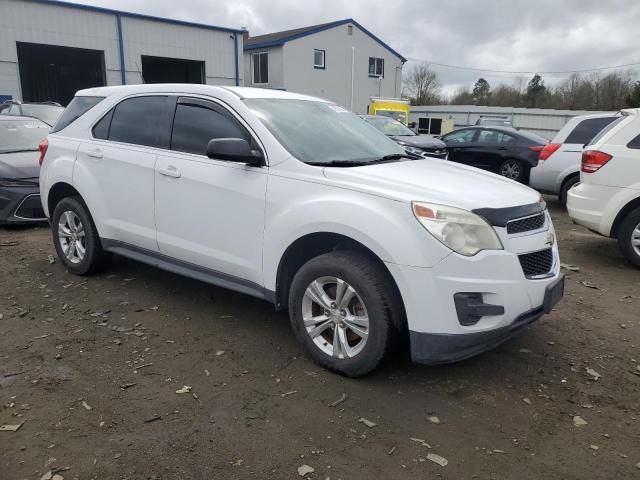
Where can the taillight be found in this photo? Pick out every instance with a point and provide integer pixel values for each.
(536, 148)
(43, 146)
(593, 160)
(548, 150)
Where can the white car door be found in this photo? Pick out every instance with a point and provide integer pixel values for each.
(116, 167)
(209, 213)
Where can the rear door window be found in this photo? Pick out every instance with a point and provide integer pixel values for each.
(138, 121)
(587, 129)
(196, 122)
(78, 107)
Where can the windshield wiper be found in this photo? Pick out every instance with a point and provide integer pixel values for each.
(339, 163)
(395, 156)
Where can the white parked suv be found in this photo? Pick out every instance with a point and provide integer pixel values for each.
(607, 199)
(558, 166)
(297, 201)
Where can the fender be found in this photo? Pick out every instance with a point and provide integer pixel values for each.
(386, 227)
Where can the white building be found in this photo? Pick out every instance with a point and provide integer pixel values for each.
(49, 49)
(341, 61)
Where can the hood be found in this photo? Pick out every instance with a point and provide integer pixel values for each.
(19, 165)
(436, 181)
(420, 141)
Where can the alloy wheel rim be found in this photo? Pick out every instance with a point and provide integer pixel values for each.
(71, 236)
(635, 239)
(335, 317)
(510, 170)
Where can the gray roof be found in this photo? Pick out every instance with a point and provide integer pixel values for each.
(280, 38)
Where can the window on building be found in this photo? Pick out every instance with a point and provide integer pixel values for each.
(260, 68)
(318, 58)
(376, 67)
(136, 120)
(194, 126)
(349, 29)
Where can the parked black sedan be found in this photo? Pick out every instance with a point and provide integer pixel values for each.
(19, 169)
(503, 150)
(420, 145)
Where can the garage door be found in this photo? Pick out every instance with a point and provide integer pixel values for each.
(54, 73)
(171, 70)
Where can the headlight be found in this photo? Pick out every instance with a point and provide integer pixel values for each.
(414, 150)
(462, 231)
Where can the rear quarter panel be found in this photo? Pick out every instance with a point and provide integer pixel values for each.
(57, 166)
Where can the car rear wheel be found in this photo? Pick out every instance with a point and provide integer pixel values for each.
(512, 169)
(629, 237)
(75, 237)
(566, 187)
(346, 311)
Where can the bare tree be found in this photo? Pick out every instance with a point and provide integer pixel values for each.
(462, 96)
(422, 87)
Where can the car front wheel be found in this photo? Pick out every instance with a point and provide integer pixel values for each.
(346, 311)
(629, 237)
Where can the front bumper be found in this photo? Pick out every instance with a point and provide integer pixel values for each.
(440, 348)
(20, 205)
(500, 298)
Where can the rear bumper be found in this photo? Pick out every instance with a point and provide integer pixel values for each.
(587, 205)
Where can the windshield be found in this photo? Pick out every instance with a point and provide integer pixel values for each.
(394, 114)
(389, 126)
(21, 135)
(47, 113)
(318, 132)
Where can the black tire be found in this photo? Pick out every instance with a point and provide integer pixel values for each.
(95, 258)
(566, 186)
(378, 293)
(522, 169)
(628, 231)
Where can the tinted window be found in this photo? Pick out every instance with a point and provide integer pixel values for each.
(635, 143)
(101, 129)
(587, 129)
(78, 107)
(606, 129)
(494, 136)
(461, 136)
(136, 120)
(194, 126)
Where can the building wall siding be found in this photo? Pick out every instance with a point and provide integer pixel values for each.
(334, 82)
(276, 68)
(50, 24)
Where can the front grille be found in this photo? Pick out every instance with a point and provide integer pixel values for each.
(30, 208)
(526, 224)
(536, 263)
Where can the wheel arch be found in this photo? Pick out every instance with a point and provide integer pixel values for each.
(58, 192)
(312, 245)
(624, 211)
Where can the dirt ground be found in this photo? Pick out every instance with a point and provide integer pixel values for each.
(90, 368)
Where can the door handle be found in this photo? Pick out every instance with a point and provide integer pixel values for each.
(502, 148)
(95, 153)
(170, 171)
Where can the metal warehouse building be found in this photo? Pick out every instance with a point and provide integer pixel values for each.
(50, 49)
(543, 121)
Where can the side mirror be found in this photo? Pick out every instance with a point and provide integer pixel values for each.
(412, 125)
(439, 137)
(234, 150)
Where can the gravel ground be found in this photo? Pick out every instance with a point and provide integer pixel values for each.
(91, 369)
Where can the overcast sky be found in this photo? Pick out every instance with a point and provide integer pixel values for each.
(513, 35)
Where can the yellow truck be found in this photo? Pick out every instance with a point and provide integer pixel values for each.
(390, 107)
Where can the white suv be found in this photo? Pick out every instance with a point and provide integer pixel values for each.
(297, 201)
(607, 199)
(558, 166)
